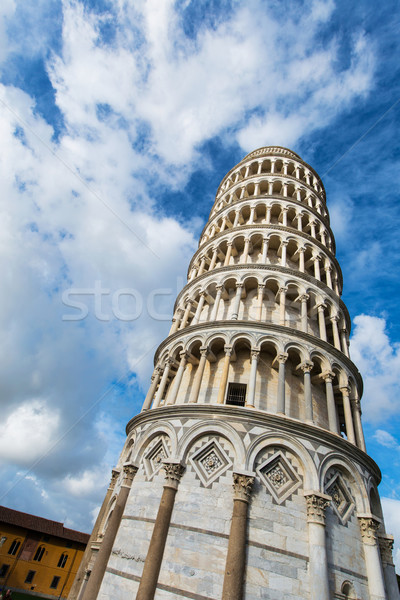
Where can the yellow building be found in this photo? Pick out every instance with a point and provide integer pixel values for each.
(38, 557)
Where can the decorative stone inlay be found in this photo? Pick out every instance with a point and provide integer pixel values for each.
(153, 459)
(369, 526)
(316, 506)
(210, 462)
(342, 502)
(386, 547)
(242, 486)
(173, 473)
(279, 477)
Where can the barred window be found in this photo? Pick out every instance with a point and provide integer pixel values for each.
(236, 394)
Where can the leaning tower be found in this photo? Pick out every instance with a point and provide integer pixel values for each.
(245, 475)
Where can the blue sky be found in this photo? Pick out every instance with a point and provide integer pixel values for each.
(118, 120)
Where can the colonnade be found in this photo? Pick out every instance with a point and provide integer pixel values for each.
(165, 387)
(271, 187)
(264, 248)
(272, 213)
(216, 303)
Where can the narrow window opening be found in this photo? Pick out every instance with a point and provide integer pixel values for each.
(39, 553)
(14, 547)
(3, 570)
(55, 582)
(30, 576)
(62, 561)
(236, 394)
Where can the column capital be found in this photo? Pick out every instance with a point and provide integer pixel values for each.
(239, 284)
(327, 268)
(357, 404)
(328, 376)
(204, 350)
(386, 547)
(316, 257)
(242, 486)
(283, 290)
(304, 297)
(220, 286)
(345, 390)
(334, 318)
(284, 242)
(170, 361)
(189, 301)
(229, 243)
(301, 249)
(306, 366)
(261, 286)
(254, 353)
(184, 354)
(228, 350)
(173, 472)
(282, 357)
(321, 306)
(114, 476)
(130, 471)
(369, 526)
(317, 502)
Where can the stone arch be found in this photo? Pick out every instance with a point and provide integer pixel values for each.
(147, 436)
(284, 441)
(213, 427)
(344, 465)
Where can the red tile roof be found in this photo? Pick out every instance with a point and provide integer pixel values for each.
(21, 519)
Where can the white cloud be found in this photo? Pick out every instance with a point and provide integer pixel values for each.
(384, 438)
(379, 363)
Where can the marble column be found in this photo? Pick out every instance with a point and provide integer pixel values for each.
(347, 414)
(284, 244)
(77, 586)
(253, 377)
(317, 272)
(186, 314)
(260, 298)
(101, 560)
(245, 251)
(358, 430)
(389, 573)
(151, 569)
(321, 321)
(236, 302)
(178, 378)
(369, 526)
(280, 407)
(194, 394)
(264, 250)
(344, 344)
(199, 308)
(163, 383)
(214, 314)
(202, 264)
(224, 376)
(303, 312)
(155, 378)
(318, 566)
(236, 555)
(330, 402)
(328, 271)
(213, 259)
(175, 321)
(301, 259)
(282, 305)
(336, 340)
(228, 253)
(306, 367)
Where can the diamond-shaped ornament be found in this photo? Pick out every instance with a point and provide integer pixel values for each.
(342, 501)
(279, 477)
(210, 462)
(153, 459)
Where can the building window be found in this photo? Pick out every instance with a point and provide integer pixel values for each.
(39, 553)
(30, 576)
(14, 547)
(236, 394)
(54, 583)
(3, 570)
(62, 561)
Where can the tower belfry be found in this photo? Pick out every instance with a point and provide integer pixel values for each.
(245, 475)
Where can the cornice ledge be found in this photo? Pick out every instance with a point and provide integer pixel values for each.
(267, 327)
(274, 422)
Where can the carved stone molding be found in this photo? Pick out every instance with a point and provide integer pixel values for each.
(369, 527)
(130, 471)
(386, 547)
(114, 476)
(173, 473)
(316, 506)
(242, 486)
